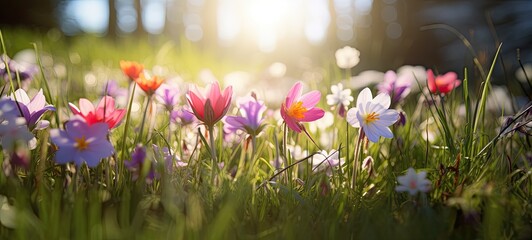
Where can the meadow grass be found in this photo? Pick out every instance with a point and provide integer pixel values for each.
(479, 169)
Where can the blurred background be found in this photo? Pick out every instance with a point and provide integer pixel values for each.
(388, 33)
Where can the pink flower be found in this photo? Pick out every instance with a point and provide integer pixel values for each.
(212, 106)
(442, 84)
(297, 108)
(105, 112)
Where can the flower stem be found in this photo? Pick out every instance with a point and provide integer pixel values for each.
(213, 154)
(143, 119)
(357, 157)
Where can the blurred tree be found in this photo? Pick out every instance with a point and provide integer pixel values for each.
(33, 13)
(138, 7)
(112, 24)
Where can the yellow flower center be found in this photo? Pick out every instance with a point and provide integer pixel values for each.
(297, 110)
(81, 143)
(372, 117)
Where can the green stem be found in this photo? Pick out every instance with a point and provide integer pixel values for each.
(357, 157)
(143, 119)
(213, 154)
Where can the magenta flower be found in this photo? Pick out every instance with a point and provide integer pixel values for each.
(81, 142)
(105, 112)
(32, 110)
(299, 108)
(398, 87)
(251, 118)
(211, 107)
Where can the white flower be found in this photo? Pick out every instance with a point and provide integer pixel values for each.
(7, 213)
(339, 95)
(324, 161)
(373, 115)
(413, 182)
(297, 152)
(347, 57)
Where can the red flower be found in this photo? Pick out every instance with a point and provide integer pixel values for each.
(442, 84)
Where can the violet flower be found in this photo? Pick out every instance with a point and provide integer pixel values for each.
(398, 87)
(168, 95)
(251, 118)
(135, 165)
(182, 116)
(32, 110)
(80, 143)
(25, 71)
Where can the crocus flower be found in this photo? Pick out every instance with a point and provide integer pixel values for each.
(212, 106)
(326, 161)
(33, 109)
(135, 165)
(347, 57)
(299, 108)
(442, 83)
(372, 115)
(149, 84)
(131, 69)
(105, 112)
(114, 90)
(82, 143)
(396, 86)
(13, 128)
(251, 118)
(168, 95)
(182, 116)
(25, 71)
(340, 97)
(413, 182)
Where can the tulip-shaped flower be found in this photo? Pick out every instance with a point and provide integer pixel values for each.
(442, 83)
(251, 118)
(33, 109)
(131, 69)
(149, 84)
(105, 112)
(413, 182)
(211, 107)
(372, 115)
(81, 142)
(299, 108)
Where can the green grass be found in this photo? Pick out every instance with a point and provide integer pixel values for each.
(481, 180)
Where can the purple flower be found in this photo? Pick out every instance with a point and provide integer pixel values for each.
(32, 110)
(114, 90)
(398, 87)
(168, 95)
(25, 70)
(251, 118)
(182, 116)
(168, 158)
(135, 165)
(81, 143)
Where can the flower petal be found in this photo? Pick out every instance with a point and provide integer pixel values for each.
(310, 99)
